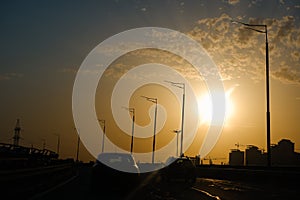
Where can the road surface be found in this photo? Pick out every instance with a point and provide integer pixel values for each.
(78, 187)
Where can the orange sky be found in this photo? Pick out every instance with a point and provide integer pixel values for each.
(42, 51)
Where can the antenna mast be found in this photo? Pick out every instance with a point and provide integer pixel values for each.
(16, 137)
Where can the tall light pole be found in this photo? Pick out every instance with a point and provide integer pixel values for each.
(58, 142)
(181, 86)
(103, 137)
(132, 110)
(78, 144)
(177, 134)
(153, 100)
(265, 31)
(44, 144)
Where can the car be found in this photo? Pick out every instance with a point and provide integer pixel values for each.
(179, 170)
(114, 171)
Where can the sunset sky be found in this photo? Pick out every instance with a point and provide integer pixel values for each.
(43, 44)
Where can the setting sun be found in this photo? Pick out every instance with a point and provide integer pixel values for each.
(205, 107)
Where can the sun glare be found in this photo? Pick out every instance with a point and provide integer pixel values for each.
(205, 107)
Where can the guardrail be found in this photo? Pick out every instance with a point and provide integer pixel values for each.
(282, 175)
(15, 156)
(23, 183)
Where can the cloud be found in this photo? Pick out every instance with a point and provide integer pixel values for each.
(139, 57)
(10, 76)
(287, 75)
(241, 52)
(285, 27)
(295, 56)
(233, 2)
(68, 70)
(238, 52)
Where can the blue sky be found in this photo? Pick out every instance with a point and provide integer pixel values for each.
(56, 31)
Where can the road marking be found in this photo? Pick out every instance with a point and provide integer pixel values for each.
(206, 193)
(39, 195)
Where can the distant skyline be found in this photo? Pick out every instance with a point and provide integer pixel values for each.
(44, 43)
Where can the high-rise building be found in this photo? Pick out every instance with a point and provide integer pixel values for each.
(236, 157)
(254, 156)
(283, 153)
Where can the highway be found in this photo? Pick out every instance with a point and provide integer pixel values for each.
(78, 187)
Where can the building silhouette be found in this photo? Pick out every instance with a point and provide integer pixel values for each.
(255, 156)
(283, 154)
(236, 157)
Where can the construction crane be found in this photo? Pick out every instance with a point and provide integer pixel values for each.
(238, 145)
(17, 137)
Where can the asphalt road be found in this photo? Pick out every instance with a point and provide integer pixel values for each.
(78, 187)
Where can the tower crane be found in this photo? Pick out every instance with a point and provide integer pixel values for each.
(238, 145)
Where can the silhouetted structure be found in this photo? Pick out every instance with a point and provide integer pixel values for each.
(283, 154)
(16, 137)
(196, 160)
(16, 156)
(236, 157)
(254, 156)
(262, 28)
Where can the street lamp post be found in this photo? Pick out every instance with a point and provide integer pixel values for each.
(181, 86)
(44, 144)
(132, 110)
(153, 100)
(177, 134)
(78, 145)
(58, 143)
(265, 31)
(103, 137)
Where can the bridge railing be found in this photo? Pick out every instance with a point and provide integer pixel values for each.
(26, 182)
(15, 156)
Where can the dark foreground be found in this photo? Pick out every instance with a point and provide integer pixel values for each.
(150, 188)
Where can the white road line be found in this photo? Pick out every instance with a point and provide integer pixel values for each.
(206, 193)
(39, 195)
